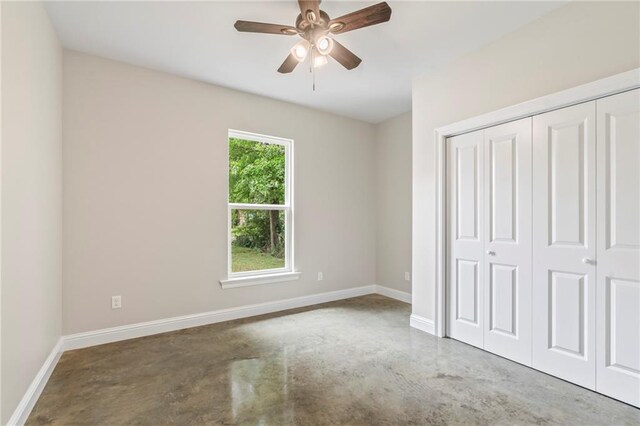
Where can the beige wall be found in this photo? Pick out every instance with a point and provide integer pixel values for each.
(1, 38)
(31, 196)
(393, 198)
(576, 44)
(145, 185)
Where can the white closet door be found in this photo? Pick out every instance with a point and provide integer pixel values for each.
(465, 237)
(564, 234)
(507, 232)
(618, 282)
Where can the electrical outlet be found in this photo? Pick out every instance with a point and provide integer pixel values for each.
(116, 302)
(320, 277)
(407, 276)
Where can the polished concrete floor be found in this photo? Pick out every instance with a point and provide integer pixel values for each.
(353, 362)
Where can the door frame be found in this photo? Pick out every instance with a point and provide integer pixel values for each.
(608, 86)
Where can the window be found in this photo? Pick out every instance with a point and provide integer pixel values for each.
(260, 209)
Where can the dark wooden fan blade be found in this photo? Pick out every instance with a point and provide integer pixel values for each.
(371, 15)
(310, 5)
(343, 55)
(261, 27)
(288, 65)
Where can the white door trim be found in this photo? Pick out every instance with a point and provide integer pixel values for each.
(605, 87)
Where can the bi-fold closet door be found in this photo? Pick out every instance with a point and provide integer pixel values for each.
(564, 243)
(618, 247)
(586, 246)
(543, 242)
(489, 238)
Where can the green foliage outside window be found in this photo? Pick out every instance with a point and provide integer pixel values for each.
(256, 176)
(256, 172)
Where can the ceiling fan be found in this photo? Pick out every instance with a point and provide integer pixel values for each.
(315, 27)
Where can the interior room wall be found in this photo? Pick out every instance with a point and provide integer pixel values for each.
(575, 44)
(145, 188)
(31, 177)
(1, 417)
(393, 199)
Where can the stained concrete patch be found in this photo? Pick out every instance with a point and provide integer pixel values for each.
(353, 362)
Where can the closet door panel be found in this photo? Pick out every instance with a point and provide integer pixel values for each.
(465, 237)
(564, 249)
(618, 270)
(507, 231)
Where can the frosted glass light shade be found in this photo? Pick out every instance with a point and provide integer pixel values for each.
(300, 50)
(324, 45)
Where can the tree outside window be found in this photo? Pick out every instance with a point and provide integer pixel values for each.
(258, 205)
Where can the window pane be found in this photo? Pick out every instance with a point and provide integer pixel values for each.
(256, 172)
(257, 240)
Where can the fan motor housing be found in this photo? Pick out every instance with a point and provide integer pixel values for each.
(303, 25)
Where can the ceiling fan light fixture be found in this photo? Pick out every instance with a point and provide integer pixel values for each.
(324, 45)
(317, 30)
(300, 50)
(319, 60)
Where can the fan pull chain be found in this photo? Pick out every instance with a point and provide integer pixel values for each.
(312, 70)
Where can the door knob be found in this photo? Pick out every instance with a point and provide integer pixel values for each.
(491, 253)
(587, 261)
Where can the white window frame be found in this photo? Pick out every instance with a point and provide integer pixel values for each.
(264, 276)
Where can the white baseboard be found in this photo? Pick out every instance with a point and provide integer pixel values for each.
(28, 401)
(402, 296)
(422, 324)
(132, 331)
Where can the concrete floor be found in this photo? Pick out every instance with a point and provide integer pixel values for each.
(349, 362)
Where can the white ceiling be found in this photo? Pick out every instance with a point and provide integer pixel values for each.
(197, 40)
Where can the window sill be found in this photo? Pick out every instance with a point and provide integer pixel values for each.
(259, 279)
